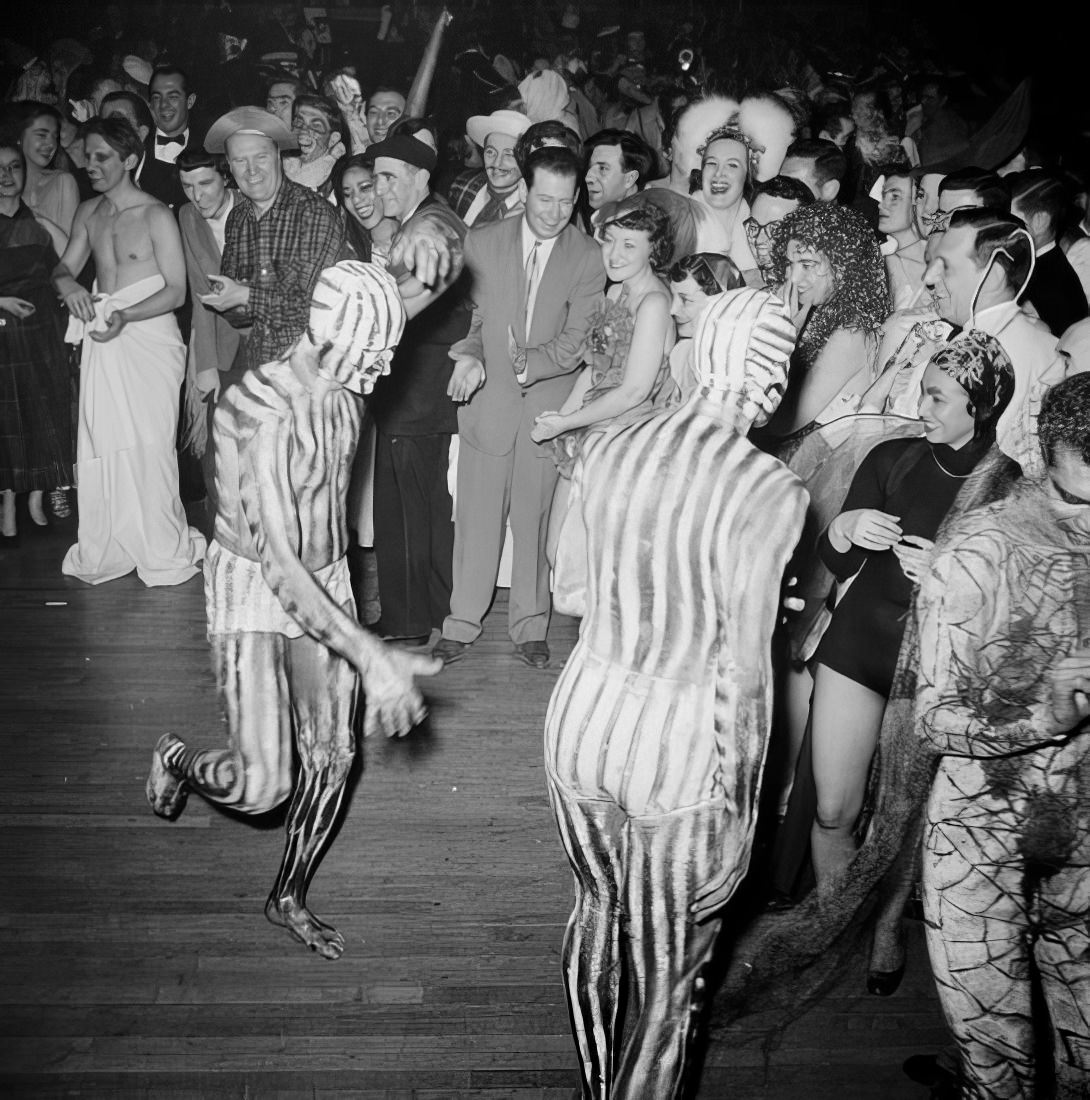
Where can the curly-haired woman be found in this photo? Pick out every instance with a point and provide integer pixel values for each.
(831, 273)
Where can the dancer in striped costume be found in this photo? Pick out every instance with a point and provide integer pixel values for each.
(656, 733)
(288, 649)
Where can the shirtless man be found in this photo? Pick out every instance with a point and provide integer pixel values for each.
(288, 650)
(130, 373)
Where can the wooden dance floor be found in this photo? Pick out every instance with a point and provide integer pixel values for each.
(135, 959)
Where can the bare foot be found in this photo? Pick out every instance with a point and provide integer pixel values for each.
(305, 927)
(166, 790)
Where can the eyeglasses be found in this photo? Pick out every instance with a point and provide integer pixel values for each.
(755, 231)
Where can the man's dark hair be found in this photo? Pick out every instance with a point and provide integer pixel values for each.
(297, 85)
(549, 130)
(834, 113)
(327, 107)
(118, 134)
(189, 160)
(383, 88)
(1000, 234)
(140, 108)
(987, 186)
(786, 187)
(899, 170)
(828, 160)
(1041, 193)
(555, 159)
(170, 70)
(636, 155)
(1064, 421)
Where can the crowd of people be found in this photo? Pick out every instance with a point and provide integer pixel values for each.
(649, 318)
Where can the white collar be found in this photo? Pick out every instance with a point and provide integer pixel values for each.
(1045, 249)
(227, 208)
(528, 239)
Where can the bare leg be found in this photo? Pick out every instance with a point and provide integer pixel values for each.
(888, 951)
(798, 689)
(593, 833)
(847, 719)
(324, 689)
(37, 512)
(7, 513)
(671, 857)
(253, 773)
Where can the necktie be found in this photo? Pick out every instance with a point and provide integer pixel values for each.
(492, 211)
(166, 139)
(531, 274)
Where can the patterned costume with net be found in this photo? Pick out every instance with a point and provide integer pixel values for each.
(1006, 864)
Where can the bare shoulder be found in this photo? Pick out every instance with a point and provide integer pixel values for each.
(653, 305)
(158, 218)
(88, 209)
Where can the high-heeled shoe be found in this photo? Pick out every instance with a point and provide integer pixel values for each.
(884, 983)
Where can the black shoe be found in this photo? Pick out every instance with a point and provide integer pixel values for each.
(534, 654)
(402, 639)
(884, 983)
(926, 1070)
(780, 903)
(449, 651)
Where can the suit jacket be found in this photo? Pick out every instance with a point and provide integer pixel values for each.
(570, 286)
(1055, 292)
(159, 178)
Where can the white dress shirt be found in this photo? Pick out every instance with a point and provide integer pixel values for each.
(544, 251)
(169, 153)
(218, 224)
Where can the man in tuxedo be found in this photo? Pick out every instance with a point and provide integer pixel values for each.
(1054, 290)
(171, 102)
(536, 280)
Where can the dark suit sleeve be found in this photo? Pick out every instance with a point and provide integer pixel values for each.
(564, 353)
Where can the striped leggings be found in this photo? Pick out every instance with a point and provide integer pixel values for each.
(631, 935)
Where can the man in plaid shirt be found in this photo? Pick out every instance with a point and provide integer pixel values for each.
(277, 243)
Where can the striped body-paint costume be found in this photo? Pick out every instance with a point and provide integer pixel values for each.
(657, 729)
(288, 649)
(1006, 861)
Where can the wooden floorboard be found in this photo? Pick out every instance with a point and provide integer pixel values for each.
(134, 958)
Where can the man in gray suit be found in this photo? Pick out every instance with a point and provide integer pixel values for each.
(535, 282)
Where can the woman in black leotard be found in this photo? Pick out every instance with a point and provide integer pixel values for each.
(897, 500)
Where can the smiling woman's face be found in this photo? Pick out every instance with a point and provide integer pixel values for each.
(811, 273)
(358, 195)
(723, 173)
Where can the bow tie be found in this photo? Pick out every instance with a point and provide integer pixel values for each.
(165, 139)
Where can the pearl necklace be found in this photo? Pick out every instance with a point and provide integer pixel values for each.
(960, 477)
